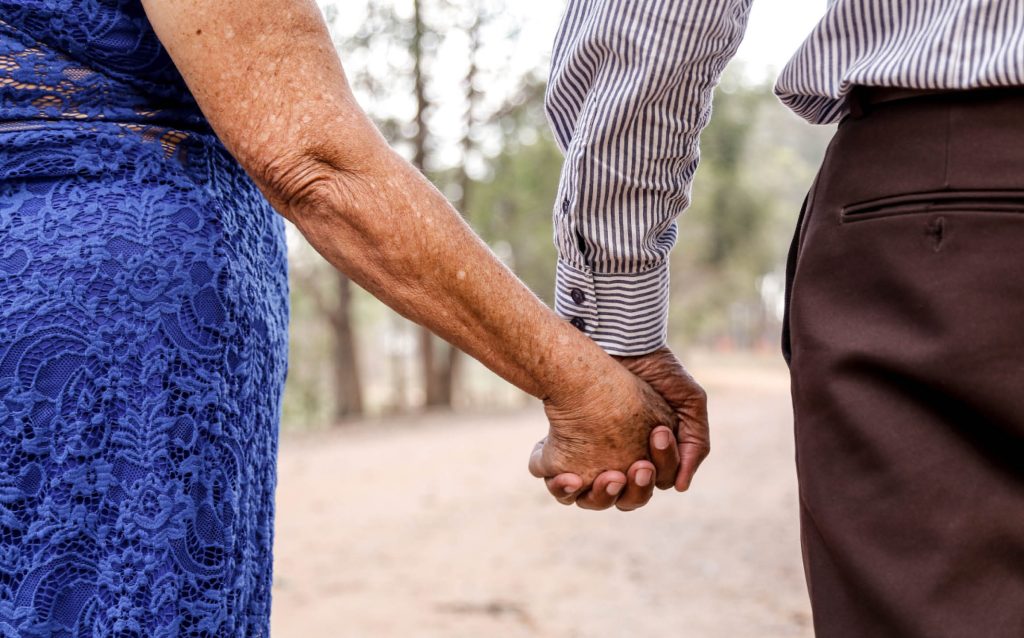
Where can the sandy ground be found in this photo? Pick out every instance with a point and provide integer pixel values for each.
(431, 527)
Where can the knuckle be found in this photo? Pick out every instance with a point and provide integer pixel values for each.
(589, 504)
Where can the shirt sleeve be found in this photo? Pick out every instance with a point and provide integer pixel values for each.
(629, 92)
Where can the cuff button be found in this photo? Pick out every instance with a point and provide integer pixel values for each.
(579, 323)
(565, 205)
(577, 295)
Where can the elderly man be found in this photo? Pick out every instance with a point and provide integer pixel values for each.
(904, 290)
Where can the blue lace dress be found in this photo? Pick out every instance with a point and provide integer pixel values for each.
(143, 341)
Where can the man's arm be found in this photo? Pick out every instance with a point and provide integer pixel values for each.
(630, 90)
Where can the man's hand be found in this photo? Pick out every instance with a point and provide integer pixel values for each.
(666, 374)
(675, 457)
(602, 428)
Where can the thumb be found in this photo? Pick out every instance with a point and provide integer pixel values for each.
(540, 463)
(694, 447)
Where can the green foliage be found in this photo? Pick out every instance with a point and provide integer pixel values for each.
(511, 207)
(757, 160)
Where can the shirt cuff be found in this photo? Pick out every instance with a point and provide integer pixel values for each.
(625, 314)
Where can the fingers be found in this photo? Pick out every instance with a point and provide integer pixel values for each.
(638, 490)
(666, 374)
(665, 454)
(603, 492)
(639, 486)
(627, 492)
(694, 447)
(692, 452)
(565, 487)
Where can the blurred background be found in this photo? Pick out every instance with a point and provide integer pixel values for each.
(404, 507)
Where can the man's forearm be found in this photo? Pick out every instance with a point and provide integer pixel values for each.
(630, 91)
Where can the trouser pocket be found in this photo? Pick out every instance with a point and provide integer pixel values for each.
(946, 201)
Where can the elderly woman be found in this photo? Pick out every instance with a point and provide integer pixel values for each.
(144, 150)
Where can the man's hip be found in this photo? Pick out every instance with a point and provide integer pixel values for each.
(905, 336)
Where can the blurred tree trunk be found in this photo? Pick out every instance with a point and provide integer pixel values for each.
(347, 380)
(348, 392)
(419, 35)
(399, 393)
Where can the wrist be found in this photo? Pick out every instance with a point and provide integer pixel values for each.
(584, 370)
(628, 359)
(626, 314)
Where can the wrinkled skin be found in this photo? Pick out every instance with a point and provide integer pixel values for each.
(675, 454)
(605, 427)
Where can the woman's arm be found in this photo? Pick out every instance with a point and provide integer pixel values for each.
(267, 77)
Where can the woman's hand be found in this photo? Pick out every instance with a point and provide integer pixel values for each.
(675, 455)
(626, 492)
(604, 428)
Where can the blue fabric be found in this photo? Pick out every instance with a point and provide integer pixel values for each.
(143, 341)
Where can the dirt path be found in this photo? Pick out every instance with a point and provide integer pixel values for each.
(432, 528)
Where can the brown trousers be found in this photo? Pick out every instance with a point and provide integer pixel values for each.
(905, 338)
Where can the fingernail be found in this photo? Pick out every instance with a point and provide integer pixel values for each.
(569, 489)
(643, 477)
(614, 489)
(662, 440)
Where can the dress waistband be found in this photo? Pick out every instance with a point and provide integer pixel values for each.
(47, 148)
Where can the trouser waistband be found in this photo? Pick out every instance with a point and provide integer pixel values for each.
(861, 99)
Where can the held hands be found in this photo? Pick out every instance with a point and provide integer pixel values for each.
(612, 444)
(602, 428)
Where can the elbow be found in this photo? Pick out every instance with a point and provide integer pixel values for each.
(302, 180)
(295, 181)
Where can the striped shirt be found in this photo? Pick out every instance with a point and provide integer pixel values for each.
(630, 91)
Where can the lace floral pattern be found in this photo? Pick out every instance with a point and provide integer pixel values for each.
(143, 342)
